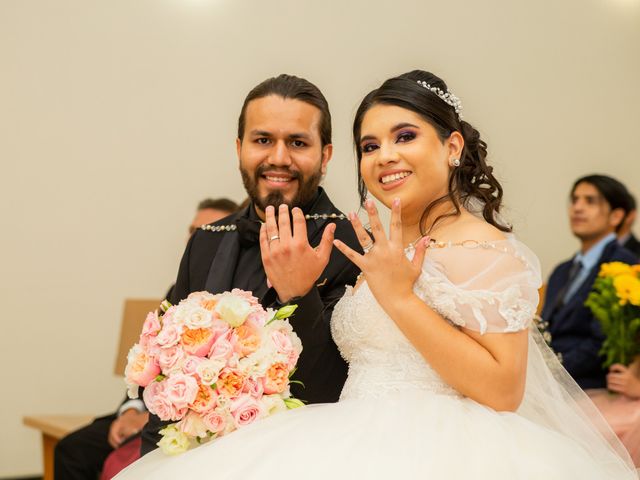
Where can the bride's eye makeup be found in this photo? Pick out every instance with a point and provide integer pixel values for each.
(368, 147)
(405, 136)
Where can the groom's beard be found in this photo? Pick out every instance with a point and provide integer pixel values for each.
(307, 187)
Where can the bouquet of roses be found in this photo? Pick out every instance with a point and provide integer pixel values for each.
(213, 363)
(615, 302)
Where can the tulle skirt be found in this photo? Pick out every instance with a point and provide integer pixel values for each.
(406, 435)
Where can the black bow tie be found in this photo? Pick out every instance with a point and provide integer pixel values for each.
(248, 231)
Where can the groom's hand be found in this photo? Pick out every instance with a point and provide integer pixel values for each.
(291, 264)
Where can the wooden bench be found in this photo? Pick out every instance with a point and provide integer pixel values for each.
(55, 427)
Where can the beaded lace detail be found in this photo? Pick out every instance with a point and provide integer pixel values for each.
(499, 294)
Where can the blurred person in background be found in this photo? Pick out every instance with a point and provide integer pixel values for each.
(110, 443)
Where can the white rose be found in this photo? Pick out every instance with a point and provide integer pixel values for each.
(209, 370)
(233, 310)
(273, 404)
(173, 441)
(193, 317)
(193, 425)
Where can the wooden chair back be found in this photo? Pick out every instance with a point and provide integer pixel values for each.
(133, 316)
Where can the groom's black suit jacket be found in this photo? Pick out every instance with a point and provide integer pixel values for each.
(219, 261)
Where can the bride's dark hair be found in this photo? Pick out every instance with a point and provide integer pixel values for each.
(473, 178)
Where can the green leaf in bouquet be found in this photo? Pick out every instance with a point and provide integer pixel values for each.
(165, 305)
(214, 386)
(297, 382)
(292, 403)
(160, 377)
(295, 369)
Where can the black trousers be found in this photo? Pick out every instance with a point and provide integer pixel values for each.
(81, 454)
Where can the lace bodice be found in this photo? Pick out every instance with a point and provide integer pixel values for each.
(487, 287)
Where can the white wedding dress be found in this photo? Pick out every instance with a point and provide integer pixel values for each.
(396, 418)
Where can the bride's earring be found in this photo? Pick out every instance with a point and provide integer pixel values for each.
(454, 162)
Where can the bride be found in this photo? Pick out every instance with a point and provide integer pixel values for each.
(447, 377)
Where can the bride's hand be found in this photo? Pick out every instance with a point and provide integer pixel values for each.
(389, 274)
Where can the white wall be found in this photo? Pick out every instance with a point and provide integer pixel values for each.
(117, 116)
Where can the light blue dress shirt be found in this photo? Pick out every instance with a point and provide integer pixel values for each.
(589, 260)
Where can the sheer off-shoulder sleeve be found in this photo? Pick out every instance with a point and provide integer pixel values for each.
(488, 287)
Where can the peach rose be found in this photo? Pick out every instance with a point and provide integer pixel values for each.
(197, 341)
(181, 389)
(205, 399)
(245, 410)
(247, 340)
(230, 382)
(276, 379)
(141, 367)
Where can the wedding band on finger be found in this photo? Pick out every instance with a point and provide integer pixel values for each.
(275, 237)
(367, 247)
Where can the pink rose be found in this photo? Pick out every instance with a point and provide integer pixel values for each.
(282, 341)
(168, 336)
(169, 357)
(257, 319)
(245, 410)
(141, 367)
(168, 317)
(220, 328)
(190, 365)
(156, 400)
(181, 389)
(253, 301)
(151, 325)
(254, 388)
(215, 420)
(222, 348)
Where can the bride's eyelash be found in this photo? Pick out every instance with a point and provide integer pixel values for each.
(368, 147)
(405, 136)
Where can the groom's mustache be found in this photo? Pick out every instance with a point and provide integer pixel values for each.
(264, 169)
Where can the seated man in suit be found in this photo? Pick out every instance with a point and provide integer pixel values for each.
(81, 454)
(598, 207)
(626, 238)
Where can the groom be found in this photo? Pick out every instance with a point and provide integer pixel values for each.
(283, 146)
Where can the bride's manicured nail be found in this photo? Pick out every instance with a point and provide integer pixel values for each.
(352, 216)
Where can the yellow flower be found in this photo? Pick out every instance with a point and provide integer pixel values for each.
(614, 269)
(627, 288)
(636, 268)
